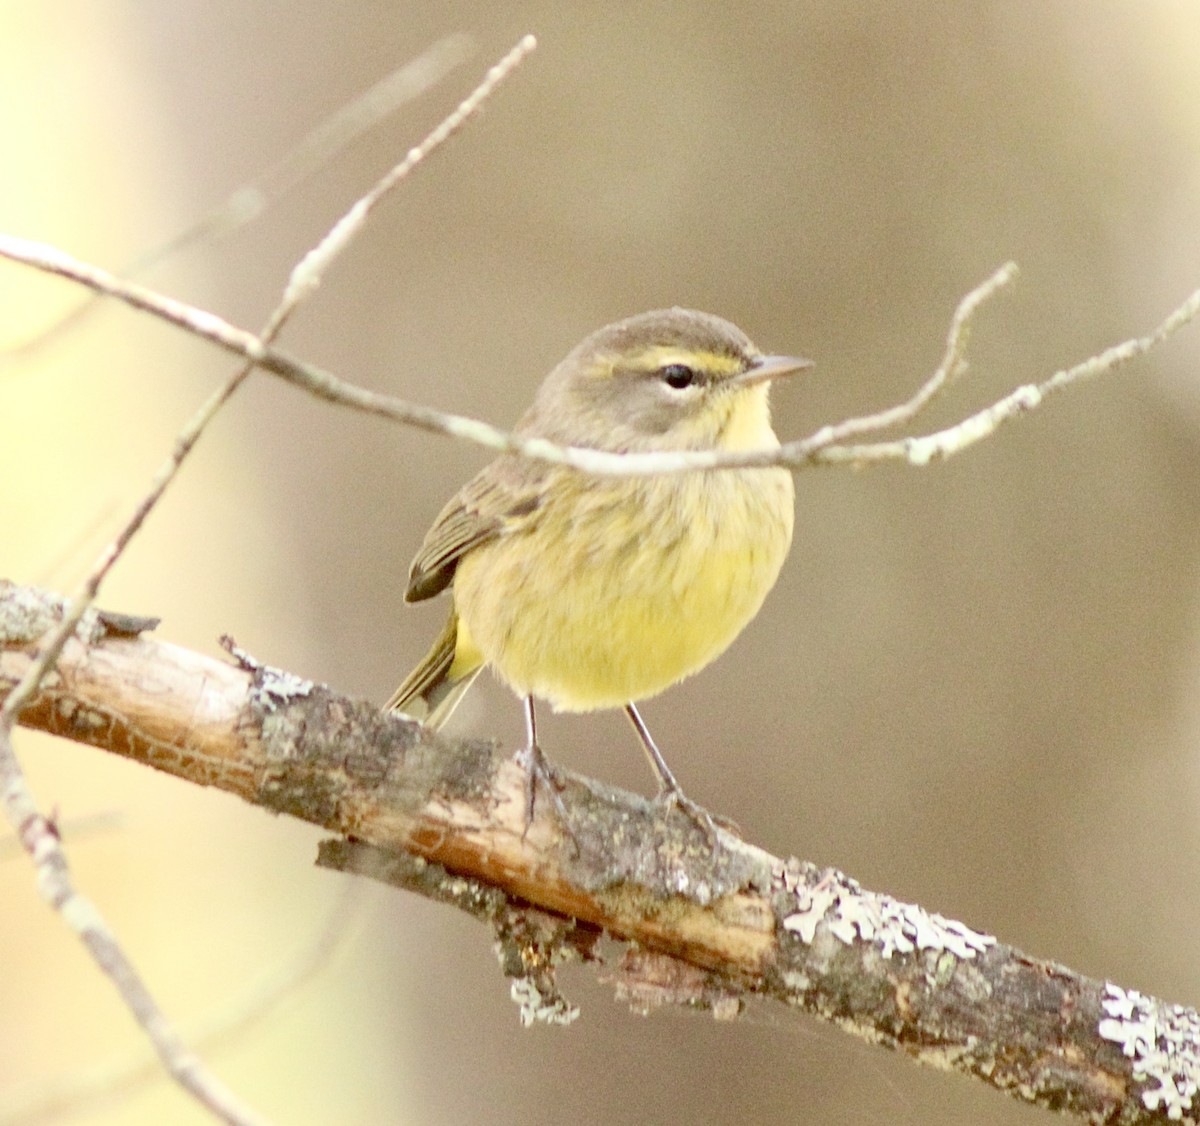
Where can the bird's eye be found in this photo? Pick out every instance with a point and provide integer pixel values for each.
(677, 376)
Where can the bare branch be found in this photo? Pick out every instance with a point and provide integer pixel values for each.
(36, 834)
(742, 921)
(307, 274)
(304, 280)
(119, 1078)
(40, 839)
(820, 448)
(76, 828)
(920, 451)
(317, 149)
(712, 925)
(954, 363)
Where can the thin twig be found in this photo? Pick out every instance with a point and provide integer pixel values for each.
(307, 274)
(75, 828)
(799, 454)
(40, 839)
(954, 363)
(315, 151)
(37, 835)
(403, 85)
(922, 449)
(119, 1078)
(304, 279)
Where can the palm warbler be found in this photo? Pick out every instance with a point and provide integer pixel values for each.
(596, 592)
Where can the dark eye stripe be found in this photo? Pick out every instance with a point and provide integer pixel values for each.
(677, 376)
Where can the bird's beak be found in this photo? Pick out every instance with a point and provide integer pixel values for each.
(767, 368)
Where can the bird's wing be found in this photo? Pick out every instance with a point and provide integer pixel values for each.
(502, 498)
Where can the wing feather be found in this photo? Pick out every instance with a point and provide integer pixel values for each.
(502, 498)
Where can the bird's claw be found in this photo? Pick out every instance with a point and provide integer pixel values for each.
(674, 798)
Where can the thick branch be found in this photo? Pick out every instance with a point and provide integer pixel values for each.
(712, 927)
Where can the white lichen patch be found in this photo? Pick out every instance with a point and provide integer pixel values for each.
(535, 1006)
(25, 613)
(280, 687)
(855, 915)
(273, 686)
(1162, 1040)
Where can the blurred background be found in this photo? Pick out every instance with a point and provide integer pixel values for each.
(975, 685)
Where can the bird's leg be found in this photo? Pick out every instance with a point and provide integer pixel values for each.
(670, 793)
(537, 765)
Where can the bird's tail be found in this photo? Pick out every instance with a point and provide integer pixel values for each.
(433, 689)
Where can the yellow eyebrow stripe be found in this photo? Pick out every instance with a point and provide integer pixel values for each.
(711, 363)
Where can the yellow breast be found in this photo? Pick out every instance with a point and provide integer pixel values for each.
(624, 587)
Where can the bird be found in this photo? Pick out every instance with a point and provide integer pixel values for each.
(591, 592)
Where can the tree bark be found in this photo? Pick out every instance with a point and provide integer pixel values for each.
(708, 924)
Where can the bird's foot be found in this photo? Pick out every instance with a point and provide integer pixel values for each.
(672, 797)
(538, 768)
